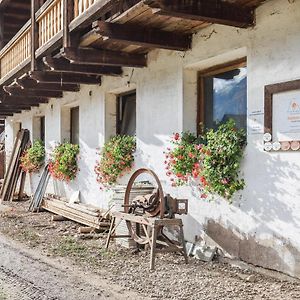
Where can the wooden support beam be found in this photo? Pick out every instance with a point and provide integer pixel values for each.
(34, 33)
(8, 110)
(2, 31)
(64, 65)
(4, 115)
(9, 100)
(28, 83)
(143, 36)
(14, 106)
(17, 91)
(57, 77)
(68, 15)
(212, 11)
(103, 57)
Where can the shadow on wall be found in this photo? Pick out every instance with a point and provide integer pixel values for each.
(252, 251)
(272, 191)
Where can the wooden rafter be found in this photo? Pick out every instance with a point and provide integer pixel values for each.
(28, 83)
(143, 36)
(103, 57)
(64, 65)
(18, 100)
(58, 77)
(212, 11)
(18, 91)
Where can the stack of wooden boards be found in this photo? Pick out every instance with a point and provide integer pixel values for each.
(40, 191)
(14, 170)
(81, 213)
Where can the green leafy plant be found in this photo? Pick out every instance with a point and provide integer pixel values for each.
(33, 158)
(216, 165)
(184, 159)
(63, 165)
(116, 158)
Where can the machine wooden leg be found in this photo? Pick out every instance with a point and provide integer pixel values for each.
(111, 230)
(153, 247)
(181, 237)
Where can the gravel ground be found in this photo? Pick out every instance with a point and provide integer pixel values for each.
(172, 279)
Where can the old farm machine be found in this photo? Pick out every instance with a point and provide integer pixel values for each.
(147, 217)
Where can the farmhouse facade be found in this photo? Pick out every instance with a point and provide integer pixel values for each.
(139, 67)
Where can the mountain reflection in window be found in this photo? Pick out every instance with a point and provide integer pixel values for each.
(226, 98)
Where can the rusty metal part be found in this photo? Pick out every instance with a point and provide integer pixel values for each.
(157, 205)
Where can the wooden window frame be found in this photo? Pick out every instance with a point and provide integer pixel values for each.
(222, 68)
(270, 90)
(118, 110)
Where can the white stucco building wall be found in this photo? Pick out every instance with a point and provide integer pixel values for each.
(262, 226)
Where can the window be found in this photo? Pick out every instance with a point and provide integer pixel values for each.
(42, 129)
(223, 95)
(38, 128)
(126, 114)
(74, 138)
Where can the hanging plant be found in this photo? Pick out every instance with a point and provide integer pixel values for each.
(116, 159)
(184, 159)
(213, 160)
(63, 165)
(33, 158)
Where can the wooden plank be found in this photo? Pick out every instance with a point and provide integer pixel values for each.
(144, 36)
(217, 11)
(103, 57)
(60, 208)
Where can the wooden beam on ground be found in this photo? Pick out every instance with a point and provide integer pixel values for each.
(17, 91)
(28, 83)
(212, 11)
(103, 57)
(143, 36)
(57, 77)
(64, 65)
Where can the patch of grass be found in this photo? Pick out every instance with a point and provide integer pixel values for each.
(69, 246)
(29, 235)
(106, 253)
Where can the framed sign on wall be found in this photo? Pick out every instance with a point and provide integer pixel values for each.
(282, 116)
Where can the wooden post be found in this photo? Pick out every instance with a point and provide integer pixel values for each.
(34, 33)
(68, 15)
(2, 42)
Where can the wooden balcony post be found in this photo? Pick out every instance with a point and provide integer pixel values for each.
(68, 16)
(2, 42)
(34, 33)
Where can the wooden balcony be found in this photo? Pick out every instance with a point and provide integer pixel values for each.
(16, 55)
(71, 42)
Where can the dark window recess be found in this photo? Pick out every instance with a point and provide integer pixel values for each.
(225, 97)
(126, 114)
(42, 129)
(75, 125)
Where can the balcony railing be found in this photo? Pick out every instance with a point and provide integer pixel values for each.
(50, 26)
(80, 6)
(16, 51)
(50, 22)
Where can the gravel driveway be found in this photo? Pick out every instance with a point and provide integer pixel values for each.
(55, 262)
